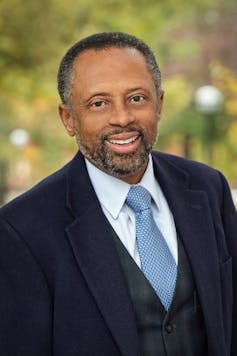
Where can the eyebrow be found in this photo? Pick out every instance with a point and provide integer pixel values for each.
(130, 90)
(86, 101)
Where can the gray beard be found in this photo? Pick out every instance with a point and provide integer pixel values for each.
(115, 164)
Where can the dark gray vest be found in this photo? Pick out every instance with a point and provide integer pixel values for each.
(181, 331)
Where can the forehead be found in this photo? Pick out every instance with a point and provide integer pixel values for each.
(109, 62)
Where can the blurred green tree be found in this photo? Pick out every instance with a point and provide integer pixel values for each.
(34, 36)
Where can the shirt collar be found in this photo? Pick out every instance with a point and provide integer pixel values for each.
(112, 192)
(149, 182)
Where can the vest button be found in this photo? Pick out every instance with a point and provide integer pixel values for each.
(169, 328)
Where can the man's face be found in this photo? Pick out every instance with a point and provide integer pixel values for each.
(114, 111)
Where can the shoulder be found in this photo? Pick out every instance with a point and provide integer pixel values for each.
(199, 176)
(188, 166)
(45, 195)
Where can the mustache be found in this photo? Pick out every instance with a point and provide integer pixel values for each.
(117, 131)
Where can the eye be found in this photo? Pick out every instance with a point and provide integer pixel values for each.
(98, 103)
(137, 98)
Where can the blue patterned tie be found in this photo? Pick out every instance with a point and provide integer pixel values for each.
(157, 262)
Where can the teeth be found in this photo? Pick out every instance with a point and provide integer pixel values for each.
(123, 142)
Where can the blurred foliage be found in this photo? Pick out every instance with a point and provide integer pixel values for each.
(35, 35)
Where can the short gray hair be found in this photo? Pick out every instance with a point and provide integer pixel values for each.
(101, 41)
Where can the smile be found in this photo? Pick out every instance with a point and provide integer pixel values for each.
(123, 141)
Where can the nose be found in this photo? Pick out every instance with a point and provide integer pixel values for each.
(121, 116)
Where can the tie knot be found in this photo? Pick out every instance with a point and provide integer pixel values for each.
(138, 199)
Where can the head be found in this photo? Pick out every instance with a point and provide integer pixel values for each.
(110, 88)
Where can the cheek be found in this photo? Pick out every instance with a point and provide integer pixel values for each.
(88, 133)
(84, 126)
(150, 124)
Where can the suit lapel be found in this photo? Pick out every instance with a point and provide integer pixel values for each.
(95, 253)
(194, 223)
(97, 258)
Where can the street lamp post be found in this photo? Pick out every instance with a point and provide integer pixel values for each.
(208, 101)
(19, 138)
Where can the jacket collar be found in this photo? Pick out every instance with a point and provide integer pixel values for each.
(96, 255)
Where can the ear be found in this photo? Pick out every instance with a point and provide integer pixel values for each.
(67, 119)
(160, 103)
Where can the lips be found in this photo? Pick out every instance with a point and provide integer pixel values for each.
(125, 142)
(123, 138)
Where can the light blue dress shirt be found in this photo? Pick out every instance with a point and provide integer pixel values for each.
(112, 193)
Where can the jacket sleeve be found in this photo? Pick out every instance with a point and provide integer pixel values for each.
(229, 216)
(25, 320)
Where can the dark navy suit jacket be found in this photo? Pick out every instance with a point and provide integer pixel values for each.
(62, 290)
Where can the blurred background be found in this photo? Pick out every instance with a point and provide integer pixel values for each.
(196, 47)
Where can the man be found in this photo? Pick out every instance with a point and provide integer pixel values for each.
(79, 275)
